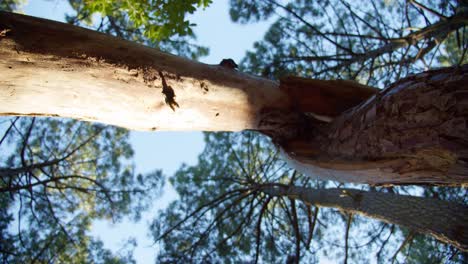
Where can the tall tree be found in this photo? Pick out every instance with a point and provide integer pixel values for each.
(57, 176)
(284, 232)
(375, 43)
(241, 203)
(253, 108)
(295, 112)
(158, 24)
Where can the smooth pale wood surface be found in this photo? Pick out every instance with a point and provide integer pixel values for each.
(54, 69)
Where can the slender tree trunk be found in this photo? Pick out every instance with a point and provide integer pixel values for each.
(446, 221)
(415, 131)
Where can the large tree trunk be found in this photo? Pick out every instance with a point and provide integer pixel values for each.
(446, 221)
(413, 132)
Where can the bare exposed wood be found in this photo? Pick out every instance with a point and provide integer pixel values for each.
(54, 69)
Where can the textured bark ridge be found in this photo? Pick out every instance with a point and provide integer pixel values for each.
(415, 131)
(446, 221)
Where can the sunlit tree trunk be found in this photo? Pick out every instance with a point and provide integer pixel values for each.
(413, 132)
(53, 69)
(446, 221)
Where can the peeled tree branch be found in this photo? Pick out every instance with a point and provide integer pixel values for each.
(413, 132)
(53, 69)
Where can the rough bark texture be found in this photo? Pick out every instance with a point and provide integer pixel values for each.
(446, 221)
(54, 69)
(415, 131)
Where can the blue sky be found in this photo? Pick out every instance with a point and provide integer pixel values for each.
(167, 150)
